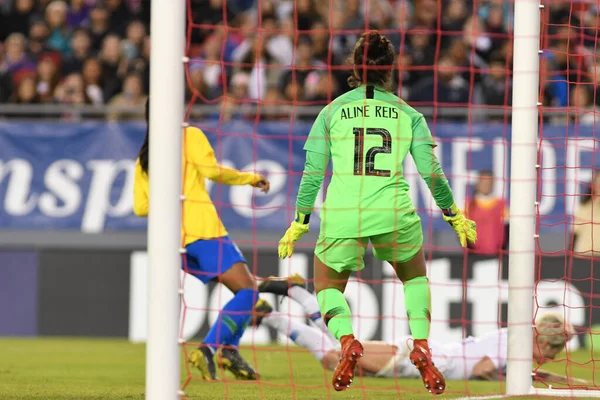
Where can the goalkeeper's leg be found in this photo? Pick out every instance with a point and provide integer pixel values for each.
(342, 257)
(417, 297)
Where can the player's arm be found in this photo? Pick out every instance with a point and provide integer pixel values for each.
(551, 377)
(428, 165)
(312, 179)
(485, 370)
(201, 154)
(317, 159)
(430, 170)
(140, 191)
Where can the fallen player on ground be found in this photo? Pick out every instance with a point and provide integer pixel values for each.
(476, 358)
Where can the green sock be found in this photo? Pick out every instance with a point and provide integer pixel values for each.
(336, 312)
(417, 298)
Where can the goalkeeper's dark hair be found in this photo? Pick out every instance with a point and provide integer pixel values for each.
(373, 58)
(143, 154)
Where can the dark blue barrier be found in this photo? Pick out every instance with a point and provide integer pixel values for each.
(79, 176)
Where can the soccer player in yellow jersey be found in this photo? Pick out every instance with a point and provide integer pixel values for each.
(210, 253)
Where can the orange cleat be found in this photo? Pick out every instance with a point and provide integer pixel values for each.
(433, 379)
(351, 352)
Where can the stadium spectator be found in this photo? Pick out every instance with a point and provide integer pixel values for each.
(120, 15)
(131, 96)
(38, 35)
(114, 66)
(230, 40)
(19, 20)
(6, 85)
(426, 13)
(98, 25)
(81, 45)
(342, 41)
(56, 18)
(279, 39)
(210, 67)
(353, 19)
(473, 35)
(207, 13)
(319, 36)
(48, 77)
(26, 92)
(490, 213)
(555, 85)
(293, 92)
(235, 99)
(255, 56)
(15, 56)
(584, 112)
(325, 90)
(495, 24)
(92, 78)
(422, 52)
(273, 105)
(196, 82)
(454, 18)
(467, 64)
(403, 75)
(140, 65)
(496, 86)
(305, 14)
(449, 88)
(276, 49)
(133, 44)
(594, 73)
(502, 10)
(304, 64)
(71, 91)
(586, 226)
(78, 14)
(381, 14)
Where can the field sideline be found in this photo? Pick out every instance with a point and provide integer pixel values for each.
(78, 369)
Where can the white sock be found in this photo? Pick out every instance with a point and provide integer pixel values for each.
(309, 303)
(303, 335)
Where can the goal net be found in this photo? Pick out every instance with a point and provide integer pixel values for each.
(258, 73)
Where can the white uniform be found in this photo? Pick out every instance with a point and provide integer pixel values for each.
(454, 360)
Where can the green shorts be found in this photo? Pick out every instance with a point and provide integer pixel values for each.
(347, 254)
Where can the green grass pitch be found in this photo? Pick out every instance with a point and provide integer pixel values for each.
(82, 369)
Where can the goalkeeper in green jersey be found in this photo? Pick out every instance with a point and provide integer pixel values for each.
(367, 133)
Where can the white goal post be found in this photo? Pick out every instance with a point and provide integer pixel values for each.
(523, 181)
(523, 205)
(164, 221)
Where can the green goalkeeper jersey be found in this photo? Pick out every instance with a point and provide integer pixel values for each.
(367, 133)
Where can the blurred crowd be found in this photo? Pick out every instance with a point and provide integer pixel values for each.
(450, 52)
(74, 52)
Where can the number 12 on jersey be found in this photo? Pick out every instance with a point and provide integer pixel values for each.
(369, 159)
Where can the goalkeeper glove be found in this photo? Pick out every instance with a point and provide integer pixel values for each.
(298, 228)
(465, 229)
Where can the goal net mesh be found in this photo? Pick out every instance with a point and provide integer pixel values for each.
(258, 73)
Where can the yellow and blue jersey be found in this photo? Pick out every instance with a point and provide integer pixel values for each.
(199, 215)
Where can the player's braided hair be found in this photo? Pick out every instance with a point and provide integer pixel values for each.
(373, 57)
(143, 155)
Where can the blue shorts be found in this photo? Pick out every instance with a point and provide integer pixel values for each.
(207, 259)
